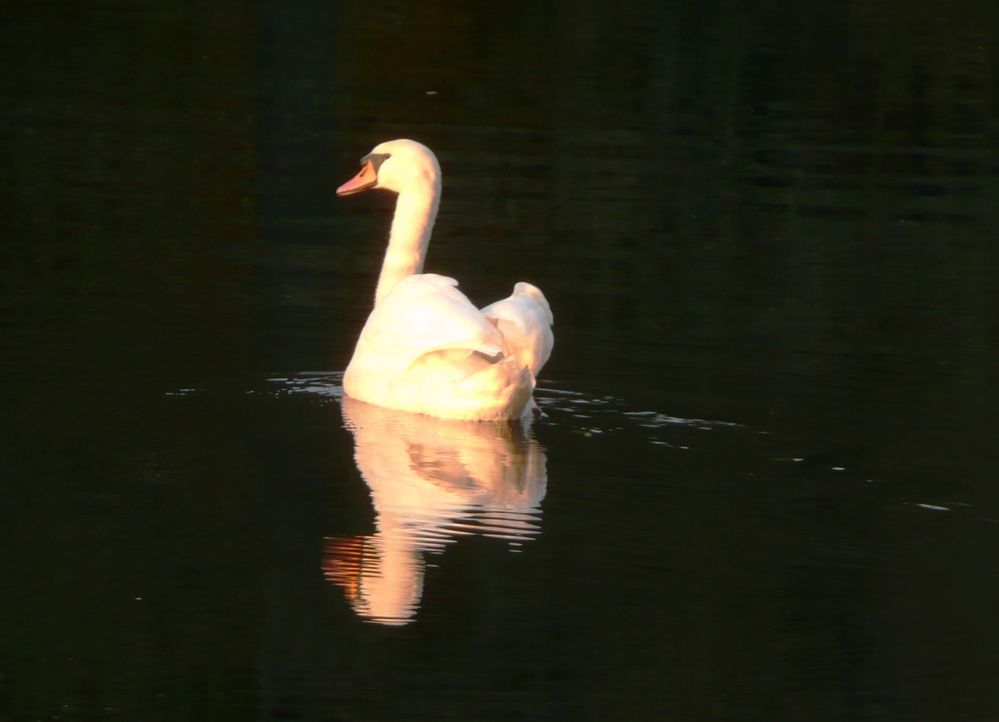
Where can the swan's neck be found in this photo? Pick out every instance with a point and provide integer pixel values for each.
(415, 212)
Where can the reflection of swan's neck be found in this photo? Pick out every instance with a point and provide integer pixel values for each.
(415, 212)
(392, 589)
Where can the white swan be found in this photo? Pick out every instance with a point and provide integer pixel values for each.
(425, 348)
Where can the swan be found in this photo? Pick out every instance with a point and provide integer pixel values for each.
(425, 348)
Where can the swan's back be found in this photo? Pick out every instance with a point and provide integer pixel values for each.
(425, 348)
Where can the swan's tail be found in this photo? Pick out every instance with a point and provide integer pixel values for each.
(525, 321)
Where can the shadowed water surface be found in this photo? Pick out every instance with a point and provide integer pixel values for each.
(764, 483)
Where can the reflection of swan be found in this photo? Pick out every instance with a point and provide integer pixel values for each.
(425, 347)
(431, 481)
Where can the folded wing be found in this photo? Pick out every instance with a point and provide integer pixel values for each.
(525, 321)
(425, 314)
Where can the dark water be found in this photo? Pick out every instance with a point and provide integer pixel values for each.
(765, 487)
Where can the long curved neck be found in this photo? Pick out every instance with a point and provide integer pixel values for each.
(415, 212)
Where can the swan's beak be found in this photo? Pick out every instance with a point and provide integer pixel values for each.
(367, 178)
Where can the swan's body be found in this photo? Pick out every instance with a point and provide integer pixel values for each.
(425, 348)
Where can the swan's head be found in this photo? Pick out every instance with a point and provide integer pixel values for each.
(396, 165)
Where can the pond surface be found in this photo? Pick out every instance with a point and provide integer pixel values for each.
(764, 486)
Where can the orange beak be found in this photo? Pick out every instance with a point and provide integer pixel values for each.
(361, 182)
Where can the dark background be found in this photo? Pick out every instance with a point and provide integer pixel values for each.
(776, 215)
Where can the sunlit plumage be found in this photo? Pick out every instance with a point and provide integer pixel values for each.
(425, 347)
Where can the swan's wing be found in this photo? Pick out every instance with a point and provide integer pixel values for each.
(525, 320)
(423, 314)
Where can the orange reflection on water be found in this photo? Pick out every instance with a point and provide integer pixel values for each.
(431, 481)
